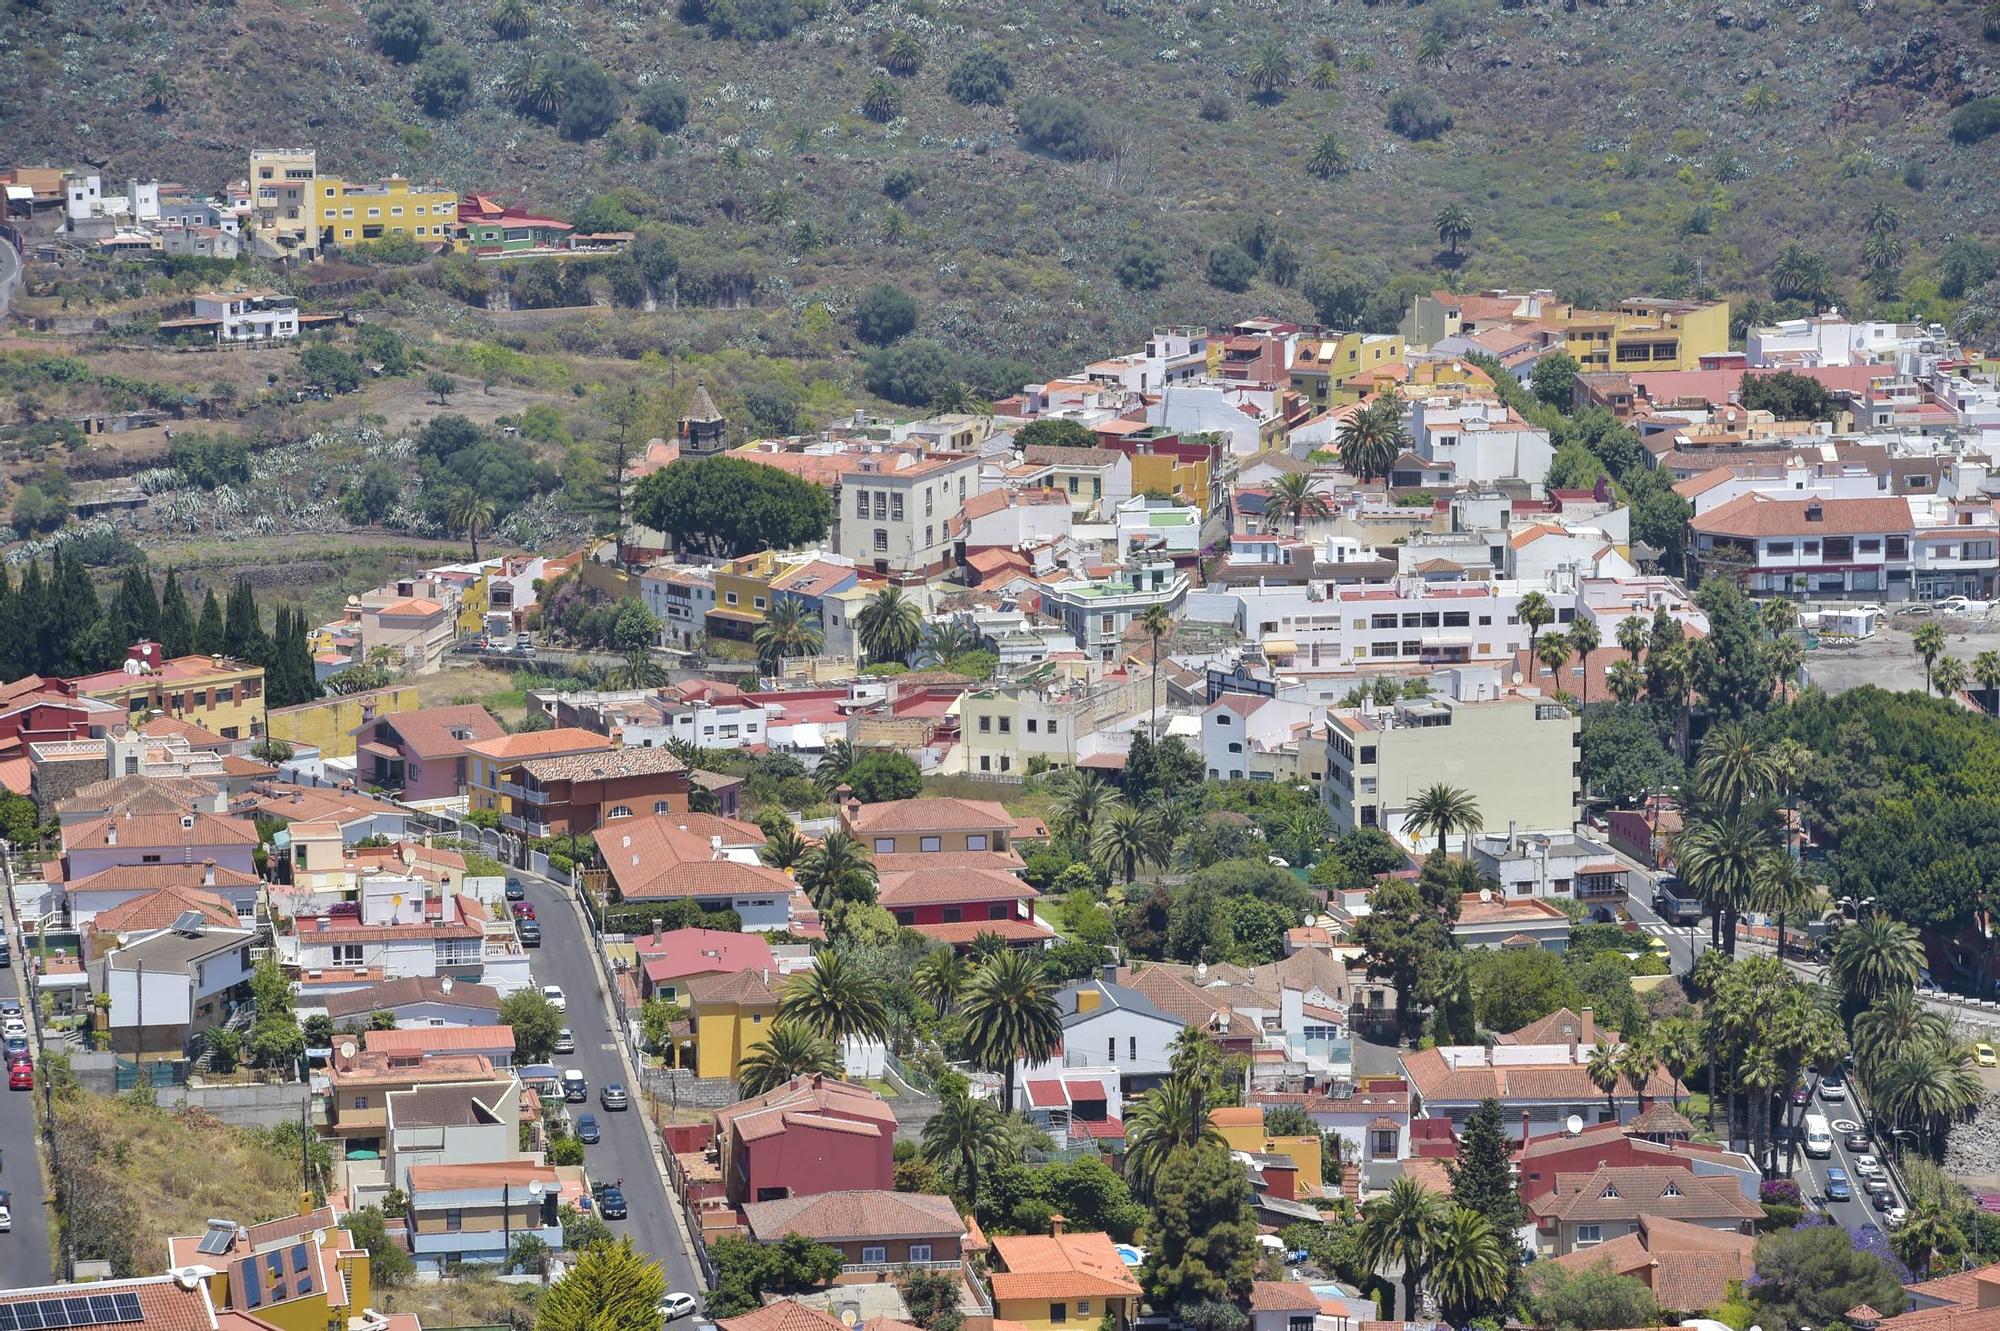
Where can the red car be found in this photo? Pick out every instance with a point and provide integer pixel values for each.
(21, 1077)
(523, 911)
(19, 1058)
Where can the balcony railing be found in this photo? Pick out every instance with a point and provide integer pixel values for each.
(513, 790)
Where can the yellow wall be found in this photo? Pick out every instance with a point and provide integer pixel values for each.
(328, 725)
(1034, 1313)
(239, 713)
(1597, 336)
(394, 205)
(1185, 481)
(724, 1035)
(1302, 1151)
(472, 607)
(311, 1313)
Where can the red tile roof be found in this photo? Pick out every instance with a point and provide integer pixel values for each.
(428, 733)
(157, 910)
(1064, 1266)
(859, 1213)
(783, 1315)
(929, 887)
(164, 1305)
(1758, 514)
(183, 830)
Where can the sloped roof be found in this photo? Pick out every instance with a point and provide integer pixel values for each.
(161, 908)
(859, 1213)
(1063, 1266)
(783, 1315)
(412, 989)
(922, 887)
(1757, 514)
(931, 813)
(1626, 1192)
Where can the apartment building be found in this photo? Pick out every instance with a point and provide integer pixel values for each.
(216, 693)
(349, 212)
(681, 599)
(1098, 611)
(1552, 866)
(893, 508)
(1323, 364)
(1246, 736)
(1823, 548)
(1003, 728)
(1410, 621)
(282, 194)
(1516, 755)
(246, 315)
(475, 1212)
(581, 792)
(1479, 440)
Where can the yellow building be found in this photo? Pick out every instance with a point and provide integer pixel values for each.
(1434, 377)
(281, 198)
(473, 603)
(328, 724)
(1186, 481)
(1242, 1127)
(349, 213)
(1061, 1280)
(1647, 333)
(1323, 364)
(299, 1273)
(743, 595)
(731, 1015)
(221, 696)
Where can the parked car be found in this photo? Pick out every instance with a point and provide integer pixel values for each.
(13, 1026)
(515, 891)
(15, 1044)
(523, 911)
(1857, 1140)
(1883, 1200)
(575, 1088)
(1982, 1054)
(10, 1007)
(554, 993)
(613, 1096)
(1838, 1189)
(6, 1220)
(565, 1041)
(1896, 1216)
(676, 1306)
(586, 1129)
(611, 1204)
(531, 933)
(21, 1077)
(1802, 1095)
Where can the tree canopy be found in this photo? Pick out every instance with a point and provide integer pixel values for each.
(729, 507)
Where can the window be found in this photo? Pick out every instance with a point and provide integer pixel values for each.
(860, 503)
(1222, 719)
(881, 539)
(976, 841)
(661, 806)
(874, 1255)
(1778, 548)
(1589, 1235)
(881, 505)
(896, 506)
(929, 540)
(985, 725)
(931, 843)
(1083, 1307)
(619, 811)
(729, 598)
(360, 1102)
(1385, 1143)
(757, 602)
(885, 845)
(951, 914)
(930, 500)
(347, 954)
(985, 763)
(920, 1252)
(454, 1220)
(1006, 725)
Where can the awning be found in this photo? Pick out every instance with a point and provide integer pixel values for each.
(380, 750)
(1280, 647)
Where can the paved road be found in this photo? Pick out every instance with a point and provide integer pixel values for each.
(1811, 1174)
(24, 1254)
(566, 959)
(10, 273)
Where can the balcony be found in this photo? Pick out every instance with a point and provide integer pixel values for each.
(533, 827)
(513, 790)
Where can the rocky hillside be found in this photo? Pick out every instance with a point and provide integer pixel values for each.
(1598, 148)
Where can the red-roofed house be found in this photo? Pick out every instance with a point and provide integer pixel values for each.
(809, 1136)
(1815, 547)
(958, 905)
(711, 861)
(669, 960)
(422, 755)
(1043, 1281)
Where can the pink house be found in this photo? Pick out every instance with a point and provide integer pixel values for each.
(422, 754)
(809, 1136)
(668, 960)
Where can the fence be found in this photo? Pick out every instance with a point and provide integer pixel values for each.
(157, 1072)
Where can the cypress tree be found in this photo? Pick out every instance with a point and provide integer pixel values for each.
(208, 633)
(176, 624)
(142, 607)
(10, 640)
(243, 635)
(1481, 1177)
(74, 611)
(31, 618)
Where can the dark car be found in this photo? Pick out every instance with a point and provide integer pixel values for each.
(575, 1089)
(1802, 1095)
(586, 1129)
(516, 892)
(611, 1204)
(16, 1044)
(1882, 1199)
(1857, 1140)
(531, 933)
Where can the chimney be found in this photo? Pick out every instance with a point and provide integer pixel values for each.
(1526, 1131)
(1814, 513)
(1589, 1028)
(1056, 1223)
(208, 873)
(658, 927)
(111, 835)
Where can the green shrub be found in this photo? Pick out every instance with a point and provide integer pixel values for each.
(883, 314)
(591, 101)
(663, 106)
(1230, 268)
(1418, 113)
(980, 78)
(1976, 120)
(443, 81)
(912, 372)
(1064, 127)
(902, 180)
(1141, 266)
(401, 29)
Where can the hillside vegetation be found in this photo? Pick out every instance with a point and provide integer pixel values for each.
(1099, 165)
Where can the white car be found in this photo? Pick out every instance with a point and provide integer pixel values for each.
(1896, 1215)
(554, 993)
(1867, 1166)
(676, 1306)
(6, 1220)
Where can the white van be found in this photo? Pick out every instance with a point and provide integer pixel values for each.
(1819, 1137)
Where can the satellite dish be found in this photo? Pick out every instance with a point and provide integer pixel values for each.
(534, 1187)
(1573, 1124)
(445, 984)
(347, 1049)
(1515, 677)
(1485, 896)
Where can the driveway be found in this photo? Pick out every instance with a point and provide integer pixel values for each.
(565, 958)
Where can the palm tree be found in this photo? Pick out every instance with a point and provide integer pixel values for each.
(1875, 957)
(783, 848)
(1677, 1043)
(1925, 1233)
(1536, 612)
(1637, 1062)
(1329, 158)
(1625, 680)
(1883, 217)
(1986, 669)
(1785, 657)
(789, 1051)
(1949, 676)
(1430, 49)
(945, 639)
(1633, 635)
(1604, 1071)
(1323, 75)
(789, 629)
(1890, 1029)
(1796, 275)
(1931, 1086)
(834, 765)
(1296, 496)
(1928, 642)
(1453, 225)
(1720, 860)
(158, 87)
(1760, 1073)
(511, 19)
(1372, 439)
(533, 87)
(1157, 623)
(1553, 653)
(1011, 1015)
(1129, 838)
(837, 999)
(1080, 797)
(1443, 809)
(1584, 638)
(638, 671)
(468, 510)
(962, 1133)
(903, 54)
(1270, 68)
(890, 625)
(1784, 889)
(1734, 768)
(939, 979)
(1778, 616)
(1172, 1116)
(1881, 251)
(1468, 1265)
(1396, 1230)
(838, 869)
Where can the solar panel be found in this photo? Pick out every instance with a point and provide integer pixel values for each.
(218, 1240)
(298, 1258)
(128, 1307)
(30, 1316)
(7, 1322)
(70, 1310)
(104, 1307)
(78, 1308)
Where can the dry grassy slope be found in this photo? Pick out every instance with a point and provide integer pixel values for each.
(1583, 138)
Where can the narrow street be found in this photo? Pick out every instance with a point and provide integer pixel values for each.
(24, 1253)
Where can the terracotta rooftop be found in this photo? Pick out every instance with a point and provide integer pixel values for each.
(429, 733)
(783, 1315)
(185, 830)
(924, 887)
(539, 744)
(160, 909)
(604, 766)
(854, 1214)
(1038, 1266)
(411, 989)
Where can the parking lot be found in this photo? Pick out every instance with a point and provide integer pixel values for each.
(1887, 659)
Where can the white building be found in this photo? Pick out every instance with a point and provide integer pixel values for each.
(1240, 729)
(893, 509)
(249, 316)
(1831, 340)
(1158, 527)
(1098, 611)
(1553, 866)
(1482, 440)
(680, 598)
(1111, 1027)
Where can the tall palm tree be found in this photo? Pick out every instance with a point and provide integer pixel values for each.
(1158, 623)
(1925, 1233)
(1677, 1042)
(1928, 643)
(1784, 657)
(1129, 838)
(1396, 1230)
(1553, 653)
(784, 848)
(1443, 809)
(1760, 1073)
(1536, 612)
(1625, 681)
(1373, 438)
(940, 978)
(838, 869)
(1469, 1267)
(1270, 68)
(468, 511)
(1734, 768)
(1453, 225)
(1668, 673)
(1948, 677)
(1874, 957)
(1633, 635)
(789, 629)
(1720, 859)
(1604, 1070)
(1584, 638)
(837, 999)
(834, 765)
(945, 639)
(1890, 1029)
(511, 19)
(1638, 1060)
(890, 625)
(1080, 799)
(1011, 1015)
(789, 1051)
(1784, 889)
(1931, 1087)
(1296, 496)
(1986, 669)
(961, 1134)
(1172, 1116)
